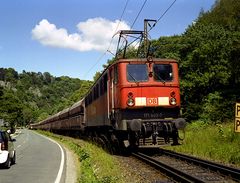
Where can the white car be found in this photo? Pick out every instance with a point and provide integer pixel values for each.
(7, 150)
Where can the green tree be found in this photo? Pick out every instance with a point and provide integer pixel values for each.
(11, 108)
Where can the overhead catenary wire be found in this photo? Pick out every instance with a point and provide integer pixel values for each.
(124, 9)
(138, 13)
(102, 55)
(99, 58)
(162, 15)
(166, 10)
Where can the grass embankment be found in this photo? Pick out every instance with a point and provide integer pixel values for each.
(95, 165)
(214, 142)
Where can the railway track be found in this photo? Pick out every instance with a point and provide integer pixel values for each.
(183, 168)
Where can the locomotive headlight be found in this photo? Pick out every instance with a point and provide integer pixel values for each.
(130, 102)
(173, 101)
(173, 94)
(130, 95)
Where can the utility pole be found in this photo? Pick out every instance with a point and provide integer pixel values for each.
(145, 34)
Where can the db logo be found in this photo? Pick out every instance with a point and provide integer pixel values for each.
(152, 101)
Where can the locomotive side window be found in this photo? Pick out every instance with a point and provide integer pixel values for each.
(101, 87)
(137, 72)
(86, 101)
(90, 98)
(96, 92)
(105, 80)
(163, 72)
(115, 81)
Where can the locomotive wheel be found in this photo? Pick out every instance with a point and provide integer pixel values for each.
(102, 143)
(107, 143)
(116, 147)
(95, 140)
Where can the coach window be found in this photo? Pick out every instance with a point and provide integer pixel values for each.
(101, 87)
(137, 72)
(94, 93)
(90, 97)
(105, 80)
(81, 110)
(98, 90)
(86, 101)
(163, 72)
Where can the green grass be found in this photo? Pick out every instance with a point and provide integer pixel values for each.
(95, 165)
(214, 142)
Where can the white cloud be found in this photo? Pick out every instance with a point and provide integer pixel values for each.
(94, 34)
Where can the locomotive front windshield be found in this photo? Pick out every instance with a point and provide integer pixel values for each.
(137, 72)
(163, 72)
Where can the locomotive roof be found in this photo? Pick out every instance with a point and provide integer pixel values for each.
(144, 60)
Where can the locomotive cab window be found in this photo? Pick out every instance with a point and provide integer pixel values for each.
(163, 72)
(137, 72)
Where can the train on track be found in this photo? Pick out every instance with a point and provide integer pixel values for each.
(134, 103)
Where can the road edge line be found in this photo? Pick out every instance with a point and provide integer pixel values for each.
(60, 171)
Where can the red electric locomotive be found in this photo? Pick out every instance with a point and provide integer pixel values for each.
(136, 101)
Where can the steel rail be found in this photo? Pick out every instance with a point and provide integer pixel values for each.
(171, 172)
(225, 170)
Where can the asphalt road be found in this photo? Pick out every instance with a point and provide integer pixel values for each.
(39, 160)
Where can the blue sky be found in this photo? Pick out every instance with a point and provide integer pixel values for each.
(68, 37)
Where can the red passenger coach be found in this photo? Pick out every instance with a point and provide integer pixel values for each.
(136, 101)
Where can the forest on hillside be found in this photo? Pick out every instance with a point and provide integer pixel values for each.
(209, 65)
(209, 62)
(30, 97)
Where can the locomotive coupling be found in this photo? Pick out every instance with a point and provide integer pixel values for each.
(180, 123)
